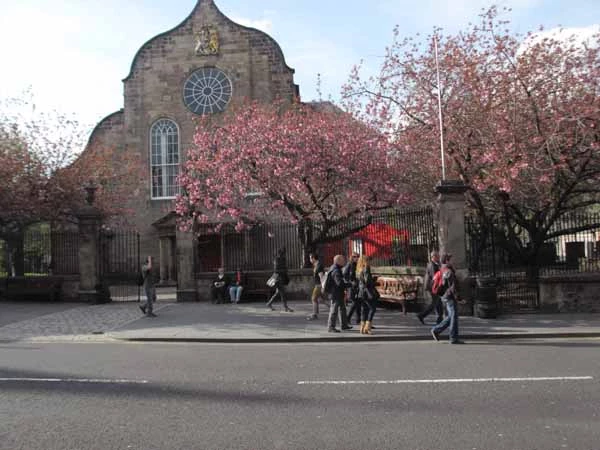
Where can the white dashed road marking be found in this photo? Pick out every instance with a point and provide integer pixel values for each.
(448, 380)
(73, 380)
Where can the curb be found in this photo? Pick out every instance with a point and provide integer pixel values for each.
(351, 339)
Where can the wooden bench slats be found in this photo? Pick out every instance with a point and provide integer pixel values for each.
(398, 289)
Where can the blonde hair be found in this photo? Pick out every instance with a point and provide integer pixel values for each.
(362, 264)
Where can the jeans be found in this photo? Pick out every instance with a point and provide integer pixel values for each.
(434, 304)
(369, 306)
(356, 304)
(451, 320)
(235, 293)
(150, 292)
(338, 305)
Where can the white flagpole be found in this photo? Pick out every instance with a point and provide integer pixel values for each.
(439, 91)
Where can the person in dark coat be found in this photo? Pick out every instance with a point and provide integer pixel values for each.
(337, 295)
(435, 302)
(218, 289)
(281, 272)
(349, 273)
(367, 292)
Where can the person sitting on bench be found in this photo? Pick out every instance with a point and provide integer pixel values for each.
(218, 288)
(236, 287)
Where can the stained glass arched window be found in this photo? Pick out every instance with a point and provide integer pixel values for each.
(164, 155)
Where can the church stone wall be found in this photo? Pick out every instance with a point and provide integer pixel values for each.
(251, 59)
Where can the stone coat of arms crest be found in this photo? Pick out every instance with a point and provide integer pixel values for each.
(207, 41)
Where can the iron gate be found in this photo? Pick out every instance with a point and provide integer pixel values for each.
(119, 264)
(517, 286)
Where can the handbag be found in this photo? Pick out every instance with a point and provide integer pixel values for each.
(271, 282)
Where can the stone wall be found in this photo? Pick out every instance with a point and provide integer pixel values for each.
(70, 288)
(153, 89)
(570, 293)
(300, 287)
(252, 60)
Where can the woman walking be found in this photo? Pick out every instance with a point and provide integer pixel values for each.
(367, 292)
(282, 279)
(318, 272)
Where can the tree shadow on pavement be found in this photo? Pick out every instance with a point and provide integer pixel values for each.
(150, 390)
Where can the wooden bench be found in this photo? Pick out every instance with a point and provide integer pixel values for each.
(255, 287)
(33, 288)
(398, 289)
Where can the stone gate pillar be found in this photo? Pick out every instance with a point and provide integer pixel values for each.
(451, 234)
(164, 259)
(89, 216)
(187, 291)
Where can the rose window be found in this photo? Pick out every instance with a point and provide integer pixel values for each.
(207, 91)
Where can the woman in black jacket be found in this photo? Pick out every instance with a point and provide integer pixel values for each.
(281, 273)
(367, 292)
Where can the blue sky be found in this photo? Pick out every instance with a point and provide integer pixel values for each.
(74, 53)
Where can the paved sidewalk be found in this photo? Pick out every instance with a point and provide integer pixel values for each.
(254, 323)
(201, 322)
(63, 321)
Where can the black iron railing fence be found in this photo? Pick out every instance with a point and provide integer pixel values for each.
(3, 259)
(390, 238)
(119, 264)
(119, 255)
(572, 246)
(39, 253)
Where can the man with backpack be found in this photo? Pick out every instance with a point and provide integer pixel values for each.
(335, 288)
(446, 286)
(435, 302)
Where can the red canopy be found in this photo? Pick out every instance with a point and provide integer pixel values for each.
(378, 239)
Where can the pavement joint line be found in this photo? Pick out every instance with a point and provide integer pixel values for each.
(447, 380)
(72, 380)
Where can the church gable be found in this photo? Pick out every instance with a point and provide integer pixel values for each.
(203, 66)
(251, 60)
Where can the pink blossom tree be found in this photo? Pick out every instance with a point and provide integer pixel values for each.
(521, 122)
(43, 169)
(302, 163)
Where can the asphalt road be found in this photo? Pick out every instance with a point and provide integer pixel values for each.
(418, 395)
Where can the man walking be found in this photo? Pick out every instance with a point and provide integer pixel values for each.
(434, 300)
(336, 295)
(349, 273)
(449, 294)
(149, 289)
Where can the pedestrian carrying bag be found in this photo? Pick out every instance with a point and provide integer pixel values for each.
(326, 282)
(271, 282)
(439, 284)
(140, 279)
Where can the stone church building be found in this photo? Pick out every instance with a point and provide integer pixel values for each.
(202, 66)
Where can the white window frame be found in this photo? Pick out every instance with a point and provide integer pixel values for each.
(164, 164)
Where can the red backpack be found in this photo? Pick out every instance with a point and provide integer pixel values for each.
(438, 286)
